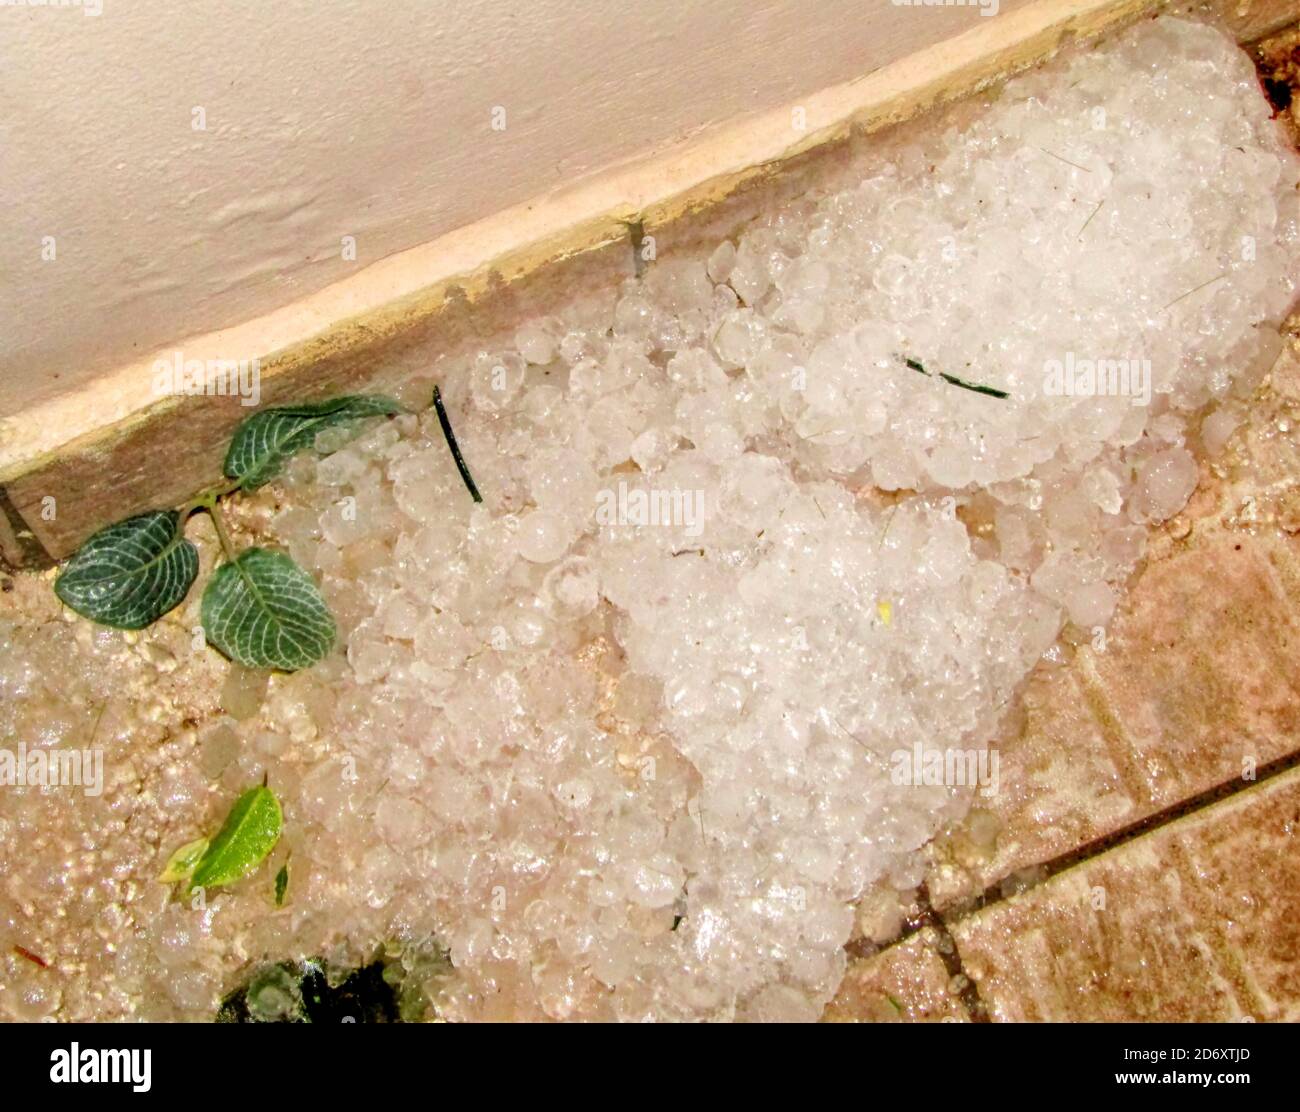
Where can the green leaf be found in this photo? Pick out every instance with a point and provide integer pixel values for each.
(184, 861)
(263, 611)
(249, 833)
(281, 883)
(130, 574)
(267, 439)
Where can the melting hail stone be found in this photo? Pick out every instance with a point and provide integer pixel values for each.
(683, 508)
(648, 705)
(633, 736)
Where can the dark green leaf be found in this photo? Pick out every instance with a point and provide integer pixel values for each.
(281, 884)
(263, 611)
(249, 833)
(130, 574)
(265, 440)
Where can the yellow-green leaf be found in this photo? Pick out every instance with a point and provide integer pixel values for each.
(184, 861)
(250, 832)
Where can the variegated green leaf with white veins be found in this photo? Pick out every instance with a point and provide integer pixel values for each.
(262, 610)
(265, 440)
(131, 573)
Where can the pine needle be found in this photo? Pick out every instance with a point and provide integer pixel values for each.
(450, 437)
(974, 387)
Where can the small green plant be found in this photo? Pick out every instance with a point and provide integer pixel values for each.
(259, 608)
(244, 841)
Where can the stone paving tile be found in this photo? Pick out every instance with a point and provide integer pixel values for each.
(1245, 865)
(1197, 685)
(1199, 678)
(1059, 787)
(906, 983)
(1198, 920)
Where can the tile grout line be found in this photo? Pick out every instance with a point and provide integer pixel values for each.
(942, 921)
(1112, 730)
(945, 946)
(1184, 808)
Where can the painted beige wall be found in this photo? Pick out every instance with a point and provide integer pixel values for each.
(363, 118)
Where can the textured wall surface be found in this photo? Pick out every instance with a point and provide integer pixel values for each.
(370, 119)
